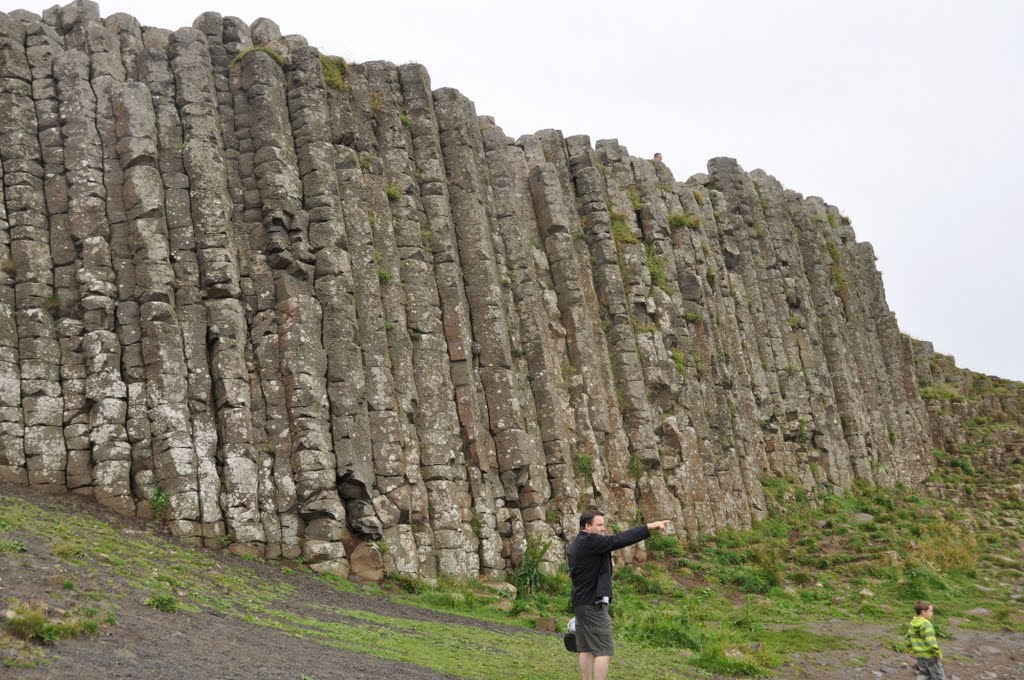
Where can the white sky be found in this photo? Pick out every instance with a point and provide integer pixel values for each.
(906, 115)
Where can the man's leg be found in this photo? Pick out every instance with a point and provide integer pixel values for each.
(601, 667)
(586, 666)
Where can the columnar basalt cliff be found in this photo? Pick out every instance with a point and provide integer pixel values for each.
(310, 309)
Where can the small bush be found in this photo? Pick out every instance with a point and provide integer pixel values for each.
(919, 582)
(584, 464)
(528, 576)
(32, 622)
(662, 545)
(962, 463)
(393, 192)
(161, 503)
(334, 69)
(941, 392)
(165, 603)
(757, 580)
(8, 545)
(679, 359)
(656, 267)
(621, 232)
(679, 220)
(29, 621)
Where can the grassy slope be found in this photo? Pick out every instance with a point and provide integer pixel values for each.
(737, 603)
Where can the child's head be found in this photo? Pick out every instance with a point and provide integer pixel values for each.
(924, 608)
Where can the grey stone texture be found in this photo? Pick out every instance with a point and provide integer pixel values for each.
(356, 323)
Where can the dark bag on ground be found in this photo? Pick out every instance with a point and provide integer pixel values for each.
(570, 642)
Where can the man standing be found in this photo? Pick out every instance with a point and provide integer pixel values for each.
(590, 566)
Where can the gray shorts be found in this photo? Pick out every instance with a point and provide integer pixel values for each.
(930, 669)
(594, 630)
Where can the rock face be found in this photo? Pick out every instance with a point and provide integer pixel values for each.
(311, 309)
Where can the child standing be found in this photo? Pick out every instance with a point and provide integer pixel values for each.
(921, 643)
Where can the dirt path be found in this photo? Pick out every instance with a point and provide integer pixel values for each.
(969, 654)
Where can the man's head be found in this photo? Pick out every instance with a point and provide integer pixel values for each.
(592, 522)
(924, 608)
(657, 156)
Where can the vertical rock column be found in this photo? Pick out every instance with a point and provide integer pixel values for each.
(683, 461)
(636, 338)
(385, 193)
(161, 336)
(229, 38)
(601, 439)
(44, 47)
(219, 291)
(370, 384)
(303, 356)
(446, 474)
(542, 350)
(129, 432)
(14, 100)
(332, 277)
(271, 443)
(105, 391)
(191, 473)
(462, 149)
(431, 425)
(30, 266)
(627, 309)
(434, 313)
(219, 280)
(784, 374)
(829, 292)
(651, 372)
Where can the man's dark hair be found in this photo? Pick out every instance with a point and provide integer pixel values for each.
(588, 517)
(922, 605)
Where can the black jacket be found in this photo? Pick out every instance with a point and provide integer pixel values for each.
(590, 562)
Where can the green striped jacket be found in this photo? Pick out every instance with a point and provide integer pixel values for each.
(921, 640)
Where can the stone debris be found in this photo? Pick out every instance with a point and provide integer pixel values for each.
(351, 321)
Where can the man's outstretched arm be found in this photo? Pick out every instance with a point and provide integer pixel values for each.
(599, 543)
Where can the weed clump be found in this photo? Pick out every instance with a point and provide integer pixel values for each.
(621, 232)
(259, 48)
(161, 503)
(32, 622)
(335, 70)
(163, 602)
(680, 220)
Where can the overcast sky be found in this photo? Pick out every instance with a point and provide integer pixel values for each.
(906, 115)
